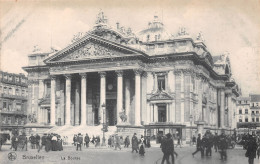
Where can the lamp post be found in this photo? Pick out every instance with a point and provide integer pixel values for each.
(104, 123)
(190, 129)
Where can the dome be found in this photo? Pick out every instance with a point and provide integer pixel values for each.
(154, 32)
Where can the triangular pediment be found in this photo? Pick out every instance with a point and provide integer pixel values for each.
(160, 95)
(92, 47)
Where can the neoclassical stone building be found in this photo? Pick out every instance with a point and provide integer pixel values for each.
(159, 82)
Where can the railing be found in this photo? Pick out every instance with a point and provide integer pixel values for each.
(13, 96)
(12, 112)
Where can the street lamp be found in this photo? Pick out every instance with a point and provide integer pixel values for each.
(191, 128)
(104, 124)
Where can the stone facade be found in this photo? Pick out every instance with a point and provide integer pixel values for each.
(13, 101)
(152, 81)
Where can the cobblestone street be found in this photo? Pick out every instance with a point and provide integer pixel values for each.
(108, 156)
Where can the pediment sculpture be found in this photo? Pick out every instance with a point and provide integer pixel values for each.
(91, 50)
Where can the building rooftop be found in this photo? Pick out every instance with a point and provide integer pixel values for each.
(254, 97)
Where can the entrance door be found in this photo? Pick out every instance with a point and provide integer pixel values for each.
(111, 112)
(162, 113)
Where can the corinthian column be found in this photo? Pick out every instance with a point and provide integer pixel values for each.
(222, 108)
(83, 99)
(127, 99)
(53, 89)
(102, 94)
(137, 97)
(68, 95)
(119, 94)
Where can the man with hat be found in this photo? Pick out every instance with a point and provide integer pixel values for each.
(135, 143)
(223, 145)
(117, 142)
(79, 141)
(44, 137)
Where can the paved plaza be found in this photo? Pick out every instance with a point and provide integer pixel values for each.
(109, 156)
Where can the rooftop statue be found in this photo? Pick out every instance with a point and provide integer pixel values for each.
(200, 37)
(36, 48)
(101, 18)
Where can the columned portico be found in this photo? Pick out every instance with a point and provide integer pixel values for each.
(53, 106)
(83, 98)
(137, 97)
(68, 99)
(102, 95)
(119, 94)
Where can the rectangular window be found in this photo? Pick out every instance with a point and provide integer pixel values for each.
(240, 120)
(257, 112)
(240, 111)
(246, 111)
(246, 119)
(253, 119)
(161, 82)
(257, 119)
(4, 105)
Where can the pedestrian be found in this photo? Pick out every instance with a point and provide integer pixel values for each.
(48, 143)
(117, 142)
(32, 141)
(222, 146)
(14, 143)
(74, 139)
(199, 146)
(178, 141)
(109, 141)
(54, 144)
(93, 140)
(87, 140)
(215, 142)
(44, 137)
(167, 147)
(37, 141)
(113, 141)
(59, 142)
(135, 143)
(251, 149)
(193, 140)
(142, 150)
(79, 141)
(97, 140)
(127, 141)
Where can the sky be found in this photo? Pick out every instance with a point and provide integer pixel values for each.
(228, 26)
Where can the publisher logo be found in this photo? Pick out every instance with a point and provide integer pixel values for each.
(12, 156)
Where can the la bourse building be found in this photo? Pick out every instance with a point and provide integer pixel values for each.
(152, 83)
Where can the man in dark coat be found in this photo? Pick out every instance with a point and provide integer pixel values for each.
(79, 141)
(87, 140)
(37, 141)
(32, 140)
(167, 147)
(117, 142)
(199, 146)
(251, 149)
(14, 142)
(127, 141)
(135, 143)
(222, 146)
(74, 139)
(48, 143)
(44, 138)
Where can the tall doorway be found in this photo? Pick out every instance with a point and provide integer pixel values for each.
(162, 113)
(111, 112)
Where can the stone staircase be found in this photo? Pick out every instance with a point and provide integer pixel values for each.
(69, 131)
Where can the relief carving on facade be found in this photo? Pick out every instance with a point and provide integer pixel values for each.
(91, 50)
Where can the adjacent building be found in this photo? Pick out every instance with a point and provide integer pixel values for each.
(151, 83)
(13, 101)
(248, 109)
